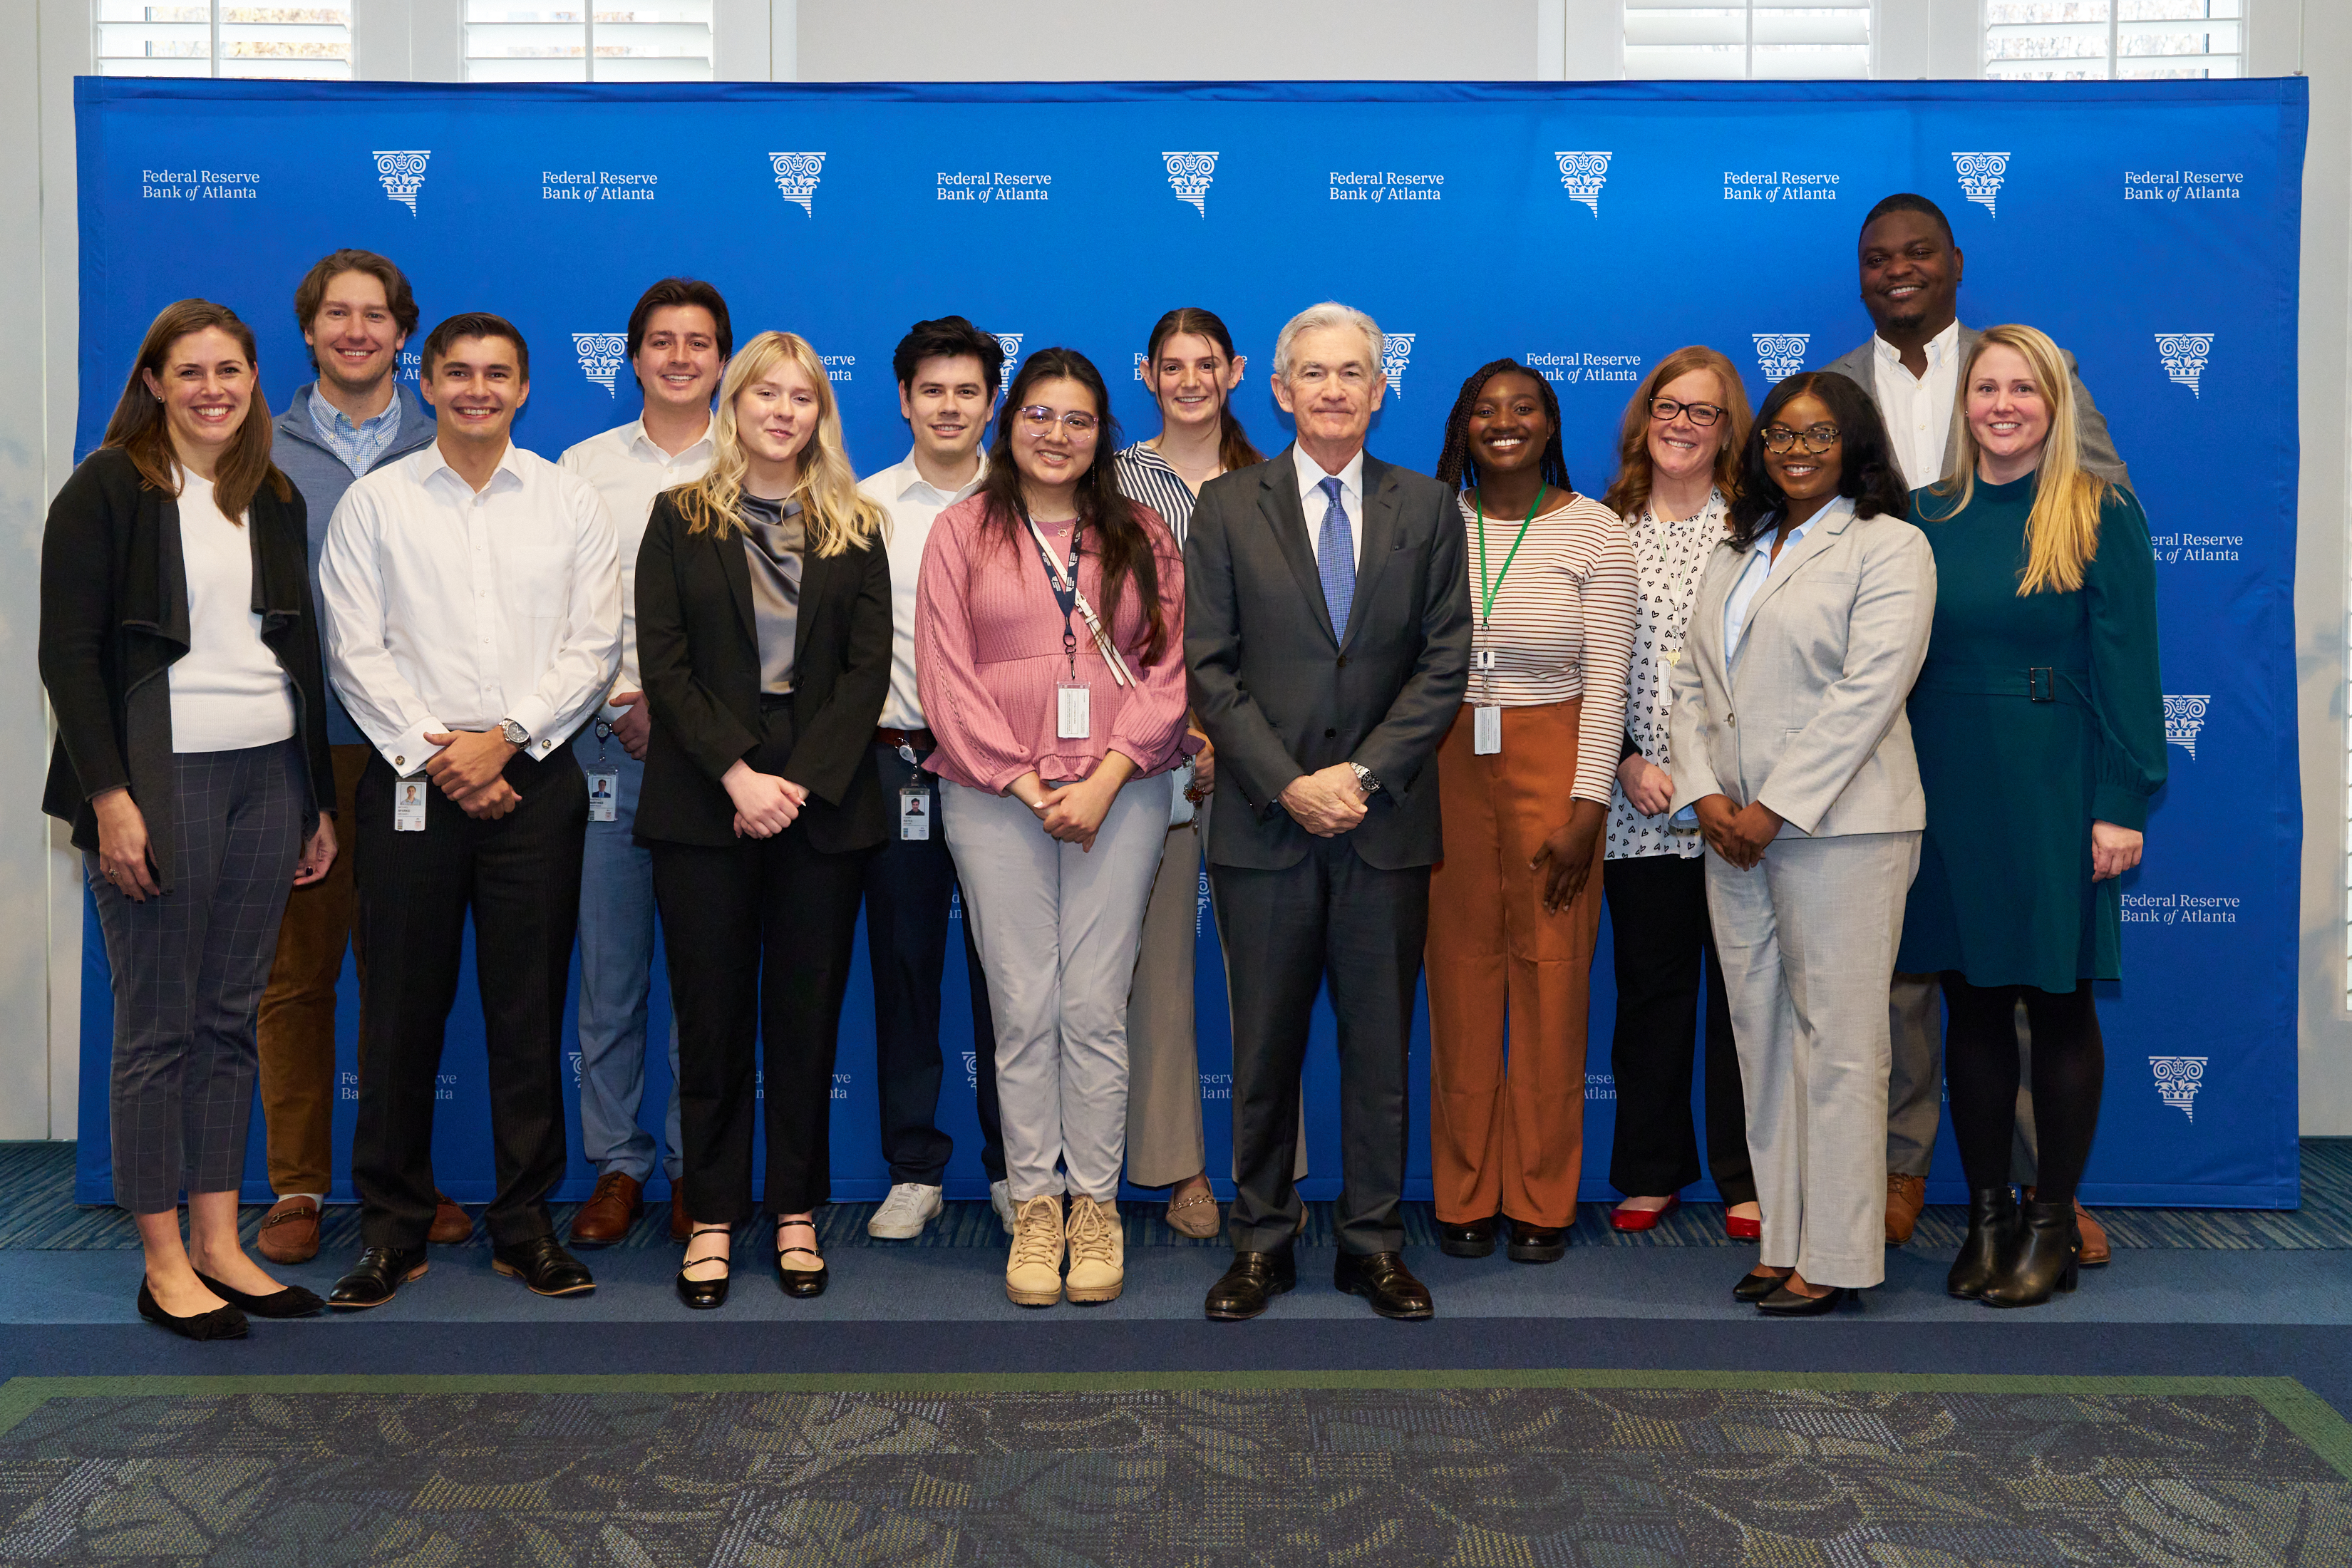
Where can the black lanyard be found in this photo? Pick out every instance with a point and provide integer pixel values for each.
(1065, 597)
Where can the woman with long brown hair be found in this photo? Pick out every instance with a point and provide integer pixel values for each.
(179, 644)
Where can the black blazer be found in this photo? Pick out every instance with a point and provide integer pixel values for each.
(114, 619)
(698, 653)
(1280, 696)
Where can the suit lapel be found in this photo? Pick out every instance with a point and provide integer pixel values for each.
(816, 581)
(738, 573)
(1703, 639)
(1277, 505)
(1378, 527)
(1794, 557)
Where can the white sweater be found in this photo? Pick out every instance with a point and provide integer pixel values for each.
(228, 691)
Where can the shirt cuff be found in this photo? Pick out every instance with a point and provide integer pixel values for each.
(410, 750)
(2113, 803)
(535, 716)
(1686, 817)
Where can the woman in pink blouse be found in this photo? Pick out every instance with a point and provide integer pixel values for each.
(1049, 650)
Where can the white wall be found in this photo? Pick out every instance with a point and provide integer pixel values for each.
(45, 42)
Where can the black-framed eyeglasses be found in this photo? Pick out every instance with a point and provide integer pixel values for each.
(1038, 418)
(1819, 438)
(1664, 410)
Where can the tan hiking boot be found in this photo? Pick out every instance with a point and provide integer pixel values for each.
(1033, 1275)
(1098, 1251)
(1905, 1196)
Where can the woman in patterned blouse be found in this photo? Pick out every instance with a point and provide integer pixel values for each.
(1678, 466)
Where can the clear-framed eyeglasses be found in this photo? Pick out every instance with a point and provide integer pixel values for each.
(1036, 418)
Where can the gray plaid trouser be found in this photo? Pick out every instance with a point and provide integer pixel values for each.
(189, 970)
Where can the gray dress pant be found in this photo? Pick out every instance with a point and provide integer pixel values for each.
(1914, 1089)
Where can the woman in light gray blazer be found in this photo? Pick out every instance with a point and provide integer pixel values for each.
(1795, 760)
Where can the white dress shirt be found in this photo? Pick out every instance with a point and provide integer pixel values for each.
(1761, 564)
(449, 610)
(1917, 408)
(913, 503)
(628, 471)
(1315, 503)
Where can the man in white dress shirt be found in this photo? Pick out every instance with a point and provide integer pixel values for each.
(679, 338)
(471, 598)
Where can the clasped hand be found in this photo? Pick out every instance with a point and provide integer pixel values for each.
(470, 768)
(1648, 787)
(1738, 834)
(1073, 813)
(765, 804)
(1327, 802)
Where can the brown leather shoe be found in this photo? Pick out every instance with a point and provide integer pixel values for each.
(611, 1209)
(1905, 1196)
(681, 1224)
(290, 1231)
(2095, 1251)
(452, 1226)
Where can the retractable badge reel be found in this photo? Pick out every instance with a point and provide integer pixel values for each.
(603, 782)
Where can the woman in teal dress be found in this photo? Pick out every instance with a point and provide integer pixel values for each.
(2039, 724)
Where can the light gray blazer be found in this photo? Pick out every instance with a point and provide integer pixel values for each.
(1809, 717)
(2098, 448)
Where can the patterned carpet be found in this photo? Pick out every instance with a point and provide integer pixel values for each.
(1611, 1470)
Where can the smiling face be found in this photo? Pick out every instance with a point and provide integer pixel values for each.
(477, 387)
(1801, 473)
(1509, 426)
(1046, 450)
(354, 336)
(1331, 386)
(2007, 414)
(946, 404)
(1910, 275)
(1681, 447)
(1192, 378)
(678, 362)
(776, 414)
(205, 387)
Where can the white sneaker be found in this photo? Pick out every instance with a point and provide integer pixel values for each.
(999, 1195)
(1098, 1251)
(910, 1206)
(1033, 1273)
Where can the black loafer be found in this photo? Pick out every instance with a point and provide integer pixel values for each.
(1381, 1278)
(292, 1302)
(380, 1271)
(1753, 1288)
(1785, 1303)
(1475, 1239)
(1535, 1244)
(541, 1264)
(1249, 1282)
(220, 1323)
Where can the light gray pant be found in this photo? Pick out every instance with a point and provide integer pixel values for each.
(1808, 938)
(1058, 928)
(1914, 1089)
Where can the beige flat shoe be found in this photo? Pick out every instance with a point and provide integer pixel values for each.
(1195, 1214)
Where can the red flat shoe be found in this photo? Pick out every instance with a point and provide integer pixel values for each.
(1623, 1218)
(1739, 1228)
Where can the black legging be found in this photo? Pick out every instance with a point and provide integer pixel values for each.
(2070, 1067)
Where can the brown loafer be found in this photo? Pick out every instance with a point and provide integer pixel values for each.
(452, 1226)
(290, 1231)
(1905, 1196)
(681, 1224)
(611, 1209)
(2095, 1251)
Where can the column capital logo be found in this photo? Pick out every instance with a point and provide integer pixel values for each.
(796, 177)
(2177, 1080)
(402, 175)
(1980, 175)
(1581, 175)
(2184, 356)
(602, 354)
(1396, 352)
(1011, 343)
(1780, 355)
(2183, 717)
(1189, 175)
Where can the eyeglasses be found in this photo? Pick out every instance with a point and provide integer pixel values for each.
(1819, 438)
(1036, 419)
(1664, 409)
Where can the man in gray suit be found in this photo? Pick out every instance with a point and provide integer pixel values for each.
(1327, 632)
(1910, 368)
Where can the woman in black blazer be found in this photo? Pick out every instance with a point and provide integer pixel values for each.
(180, 649)
(763, 634)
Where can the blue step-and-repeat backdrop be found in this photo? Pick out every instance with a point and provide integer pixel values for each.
(1586, 229)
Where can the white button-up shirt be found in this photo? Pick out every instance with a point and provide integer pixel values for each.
(445, 609)
(1315, 503)
(628, 470)
(1917, 408)
(913, 503)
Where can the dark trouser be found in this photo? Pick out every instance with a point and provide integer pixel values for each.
(518, 876)
(909, 888)
(2069, 1067)
(1658, 925)
(189, 966)
(1285, 932)
(759, 936)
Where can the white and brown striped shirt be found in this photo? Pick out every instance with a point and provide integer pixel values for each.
(1562, 625)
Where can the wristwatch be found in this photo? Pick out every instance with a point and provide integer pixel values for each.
(515, 734)
(1365, 780)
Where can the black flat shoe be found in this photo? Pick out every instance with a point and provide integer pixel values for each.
(543, 1266)
(1473, 1239)
(220, 1323)
(1536, 1244)
(1249, 1282)
(380, 1272)
(703, 1295)
(291, 1301)
(1785, 1303)
(802, 1283)
(1381, 1278)
(1992, 1222)
(1753, 1288)
(2043, 1255)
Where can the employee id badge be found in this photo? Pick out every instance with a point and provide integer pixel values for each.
(1486, 730)
(915, 814)
(408, 805)
(604, 795)
(1073, 710)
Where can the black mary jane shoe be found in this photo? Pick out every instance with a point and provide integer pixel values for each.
(1472, 1238)
(376, 1277)
(1785, 1303)
(220, 1323)
(2043, 1255)
(704, 1295)
(1249, 1282)
(1753, 1288)
(1536, 1244)
(290, 1302)
(543, 1266)
(800, 1282)
(1992, 1223)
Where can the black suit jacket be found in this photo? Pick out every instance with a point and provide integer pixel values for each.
(698, 653)
(1280, 696)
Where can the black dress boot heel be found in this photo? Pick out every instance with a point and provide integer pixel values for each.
(1992, 1221)
(2043, 1255)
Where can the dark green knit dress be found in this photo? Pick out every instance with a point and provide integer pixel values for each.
(2033, 716)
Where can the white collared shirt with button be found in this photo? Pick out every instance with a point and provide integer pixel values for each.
(913, 503)
(629, 470)
(1917, 408)
(1314, 502)
(448, 609)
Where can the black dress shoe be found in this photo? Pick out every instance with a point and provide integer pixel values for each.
(703, 1295)
(1250, 1281)
(380, 1271)
(1753, 1288)
(2043, 1254)
(1785, 1303)
(802, 1283)
(292, 1302)
(220, 1323)
(1381, 1278)
(1992, 1220)
(543, 1264)
(1535, 1244)
(1473, 1239)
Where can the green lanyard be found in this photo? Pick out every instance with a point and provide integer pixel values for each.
(1488, 591)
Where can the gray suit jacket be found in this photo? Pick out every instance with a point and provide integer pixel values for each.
(1809, 717)
(1280, 696)
(2098, 448)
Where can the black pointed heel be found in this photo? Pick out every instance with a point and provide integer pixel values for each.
(1753, 1288)
(220, 1323)
(2044, 1256)
(290, 1302)
(705, 1295)
(1785, 1303)
(1992, 1224)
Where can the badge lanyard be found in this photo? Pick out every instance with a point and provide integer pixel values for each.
(604, 781)
(1067, 594)
(1487, 719)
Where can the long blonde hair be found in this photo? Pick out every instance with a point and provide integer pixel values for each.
(1629, 493)
(832, 511)
(2061, 532)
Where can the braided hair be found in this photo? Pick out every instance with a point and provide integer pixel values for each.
(1457, 469)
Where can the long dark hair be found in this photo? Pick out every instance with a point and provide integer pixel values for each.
(1120, 542)
(1457, 470)
(1233, 449)
(140, 428)
(1866, 472)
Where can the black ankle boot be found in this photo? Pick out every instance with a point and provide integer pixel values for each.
(2041, 1258)
(1992, 1220)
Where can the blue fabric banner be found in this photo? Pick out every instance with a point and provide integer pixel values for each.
(2152, 229)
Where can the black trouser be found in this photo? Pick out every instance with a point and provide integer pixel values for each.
(518, 876)
(1284, 932)
(2070, 1071)
(909, 886)
(1658, 929)
(759, 936)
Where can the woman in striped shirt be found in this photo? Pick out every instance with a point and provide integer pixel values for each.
(1523, 786)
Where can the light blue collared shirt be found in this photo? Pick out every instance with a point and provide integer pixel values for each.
(1758, 572)
(358, 446)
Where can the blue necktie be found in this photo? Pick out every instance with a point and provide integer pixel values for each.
(1335, 560)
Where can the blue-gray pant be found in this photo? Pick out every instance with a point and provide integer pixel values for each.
(189, 967)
